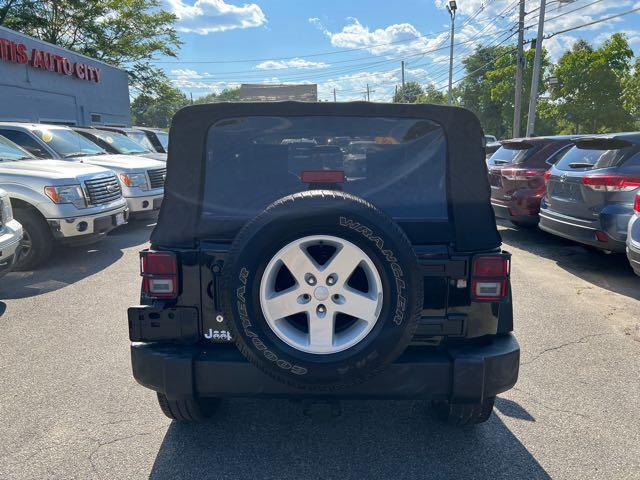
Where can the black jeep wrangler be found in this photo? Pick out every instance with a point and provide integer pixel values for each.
(287, 264)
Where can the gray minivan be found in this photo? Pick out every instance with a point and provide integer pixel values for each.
(591, 191)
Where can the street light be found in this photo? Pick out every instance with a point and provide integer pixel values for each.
(451, 8)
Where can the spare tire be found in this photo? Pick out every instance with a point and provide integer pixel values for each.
(322, 290)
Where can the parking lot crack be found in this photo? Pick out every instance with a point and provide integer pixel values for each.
(559, 347)
(533, 400)
(116, 440)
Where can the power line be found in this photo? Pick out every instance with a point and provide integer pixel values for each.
(338, 70)
(610, 17)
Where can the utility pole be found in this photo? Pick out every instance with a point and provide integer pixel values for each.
(451, 8)
(517, 111)
(402, 68)
(368, 98)
(531, 120)
(334, 95)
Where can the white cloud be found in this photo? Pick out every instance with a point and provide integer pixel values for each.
(557, 46)
(399, 38)
(292, 63)
(191, 80)
(186, 73)
(206, 16)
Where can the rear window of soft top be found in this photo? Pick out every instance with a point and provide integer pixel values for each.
(398, 164)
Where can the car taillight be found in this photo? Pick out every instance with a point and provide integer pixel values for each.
(547, 176)
(159, 272)
(489, 276)
(521, 173)
(636, 205)
(611, 183)
(322, 176)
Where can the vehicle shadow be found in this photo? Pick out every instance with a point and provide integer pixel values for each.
(611, 272)
(68, 265)
(372, 439)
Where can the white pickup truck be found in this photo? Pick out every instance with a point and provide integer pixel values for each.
(57, 201)
(141, 179)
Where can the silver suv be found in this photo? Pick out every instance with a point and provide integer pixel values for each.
(58, 201)
(10, 234)
(141, 179)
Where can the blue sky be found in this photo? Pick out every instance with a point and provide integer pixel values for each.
(351, 43)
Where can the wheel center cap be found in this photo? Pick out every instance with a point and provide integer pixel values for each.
(321, 293)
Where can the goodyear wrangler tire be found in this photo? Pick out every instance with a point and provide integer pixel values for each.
(322, 290)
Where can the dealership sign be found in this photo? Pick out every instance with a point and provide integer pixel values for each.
(43, 60)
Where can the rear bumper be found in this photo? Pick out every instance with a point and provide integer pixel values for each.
(464, 374)
(523, 206)
(584, 231)
(634, 259)
(503, 210)
(633, 244)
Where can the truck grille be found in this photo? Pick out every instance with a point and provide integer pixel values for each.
(156, 177)
(103, 190)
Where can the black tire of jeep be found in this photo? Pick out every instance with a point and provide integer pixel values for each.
(190, 410)
(35, 229)
(322, 212)
(462, 414)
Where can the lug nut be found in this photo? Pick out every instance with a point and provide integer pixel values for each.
(321, 309)
(311, 280)
(304, 298)
(331, 279)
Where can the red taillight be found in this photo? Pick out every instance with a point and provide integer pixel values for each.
(611, 183)
(521, 173)
(489, 275)
(322, 176)
(636, 205)
(602, 236)
(159, 272)
(547, 176)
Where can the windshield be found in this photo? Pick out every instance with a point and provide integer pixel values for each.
(121, 143)
(581, 159)
(264, 157)
(11, 151)
(67, 143)
(164, 139)
(141, 138)
(512, 154)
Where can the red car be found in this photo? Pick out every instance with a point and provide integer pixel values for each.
(516, 175)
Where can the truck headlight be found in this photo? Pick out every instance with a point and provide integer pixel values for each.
(6, 212)
(135, 180)
(67, 194)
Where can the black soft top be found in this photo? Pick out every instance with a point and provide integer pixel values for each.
(471, 220)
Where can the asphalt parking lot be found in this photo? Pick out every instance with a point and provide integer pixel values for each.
(69, 407)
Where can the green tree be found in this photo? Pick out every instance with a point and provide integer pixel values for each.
(408, 94)
(157, 109)
(226, 95)
(432, 95)
(589, 97)
(124, 33)
(488, 87)
(631, 93)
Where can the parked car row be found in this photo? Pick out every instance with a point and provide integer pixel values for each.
(583, 188)
(70, 185)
